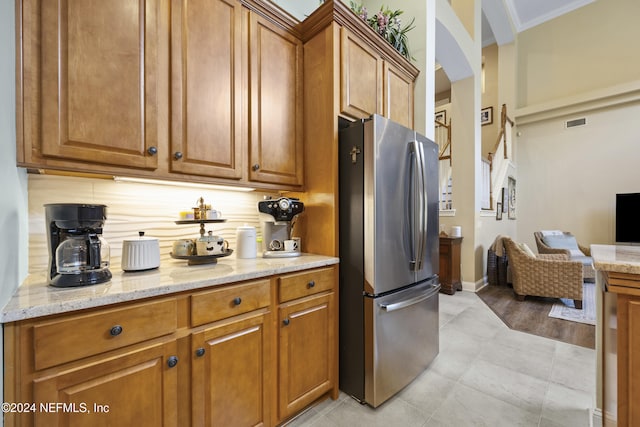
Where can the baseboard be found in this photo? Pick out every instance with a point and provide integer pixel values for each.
(475, 286)
(595, 420)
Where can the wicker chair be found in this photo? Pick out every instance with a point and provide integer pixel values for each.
(588, 272)
(552, 275)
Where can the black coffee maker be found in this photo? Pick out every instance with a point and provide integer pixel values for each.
(78, 255)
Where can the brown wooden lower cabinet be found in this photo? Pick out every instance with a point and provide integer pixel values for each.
(135, 386)
(306, 360)
(229, 373)
(226, 366)
(621, 406)
(450, 276)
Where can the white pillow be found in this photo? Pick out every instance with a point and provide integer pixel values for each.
(551, 232)
(526, 249)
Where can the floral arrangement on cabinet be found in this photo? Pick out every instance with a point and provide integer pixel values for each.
(388, 24)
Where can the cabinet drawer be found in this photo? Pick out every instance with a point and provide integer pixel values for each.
(299, 285)
(74, 337)
(218, 304)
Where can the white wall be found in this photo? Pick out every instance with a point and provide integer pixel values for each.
(13, 199)
(568, 178)
(592, 47)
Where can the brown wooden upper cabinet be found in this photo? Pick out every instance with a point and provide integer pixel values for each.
(199, 90)
(361, 77)
(275, 104)
(89, 81)
(370, 84)
(207, 88)
(398, 95)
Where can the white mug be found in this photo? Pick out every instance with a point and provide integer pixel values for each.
(183, 247)
(211, 245)
(291, 245)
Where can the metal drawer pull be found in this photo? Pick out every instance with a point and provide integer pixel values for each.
(237, 301)
(200, 352)
(172, 361)
(311, 284)
(116, 330)
(286, 322)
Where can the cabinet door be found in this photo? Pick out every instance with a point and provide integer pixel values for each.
(138, 388)
(360, 77)
(306, 351)
(398, 95)
(98, 81)
(206, 88)
(229, 374)
(276, 104)
(628, 359)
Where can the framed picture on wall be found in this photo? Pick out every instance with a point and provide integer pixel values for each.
(512, 198)
(441, 116)
(486, 116)
(504, 199)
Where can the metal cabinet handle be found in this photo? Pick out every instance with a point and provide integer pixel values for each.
(177, 155)
(286, 322)
(255, 167)
(152, 151)
(115, 330)
(311, 284)
(172, 361)
(200, 352)
(237, 301)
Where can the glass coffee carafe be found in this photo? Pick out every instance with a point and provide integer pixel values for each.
(77, 254)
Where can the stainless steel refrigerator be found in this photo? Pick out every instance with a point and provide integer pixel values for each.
(388, 257)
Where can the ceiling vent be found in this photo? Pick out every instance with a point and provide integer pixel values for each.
(575, 122)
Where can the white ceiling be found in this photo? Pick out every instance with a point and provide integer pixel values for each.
(529, 13)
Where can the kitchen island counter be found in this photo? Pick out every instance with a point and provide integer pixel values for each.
(619, 259)
(618, 314)
(34, 298)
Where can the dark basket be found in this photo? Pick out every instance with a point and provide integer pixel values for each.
(496, 269)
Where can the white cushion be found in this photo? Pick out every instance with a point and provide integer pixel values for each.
(526, 249)
(574, 253)
(551, 232)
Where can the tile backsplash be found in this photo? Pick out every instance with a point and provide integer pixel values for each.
(133, 207)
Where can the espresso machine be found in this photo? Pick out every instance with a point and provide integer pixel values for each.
(278, 225)
(78, 254)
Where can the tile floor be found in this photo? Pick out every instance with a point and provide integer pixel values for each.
(485, 375)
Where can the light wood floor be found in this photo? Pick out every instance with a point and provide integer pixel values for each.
(532, 316)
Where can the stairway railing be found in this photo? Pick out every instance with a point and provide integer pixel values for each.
(498, 164)
(443, 139)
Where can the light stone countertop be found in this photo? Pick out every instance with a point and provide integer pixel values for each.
(34, 298)
(620, 259)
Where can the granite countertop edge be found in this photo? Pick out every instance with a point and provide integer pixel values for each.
(616, 258)
(34, 298)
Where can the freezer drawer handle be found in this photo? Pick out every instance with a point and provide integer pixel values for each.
(410, 301)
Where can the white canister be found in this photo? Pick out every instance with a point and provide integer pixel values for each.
(246, 242)
(456, 231)
(142, 253)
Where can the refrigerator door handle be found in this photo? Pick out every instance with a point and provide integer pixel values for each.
(393, 306)
(419, 213)
(423, 204)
